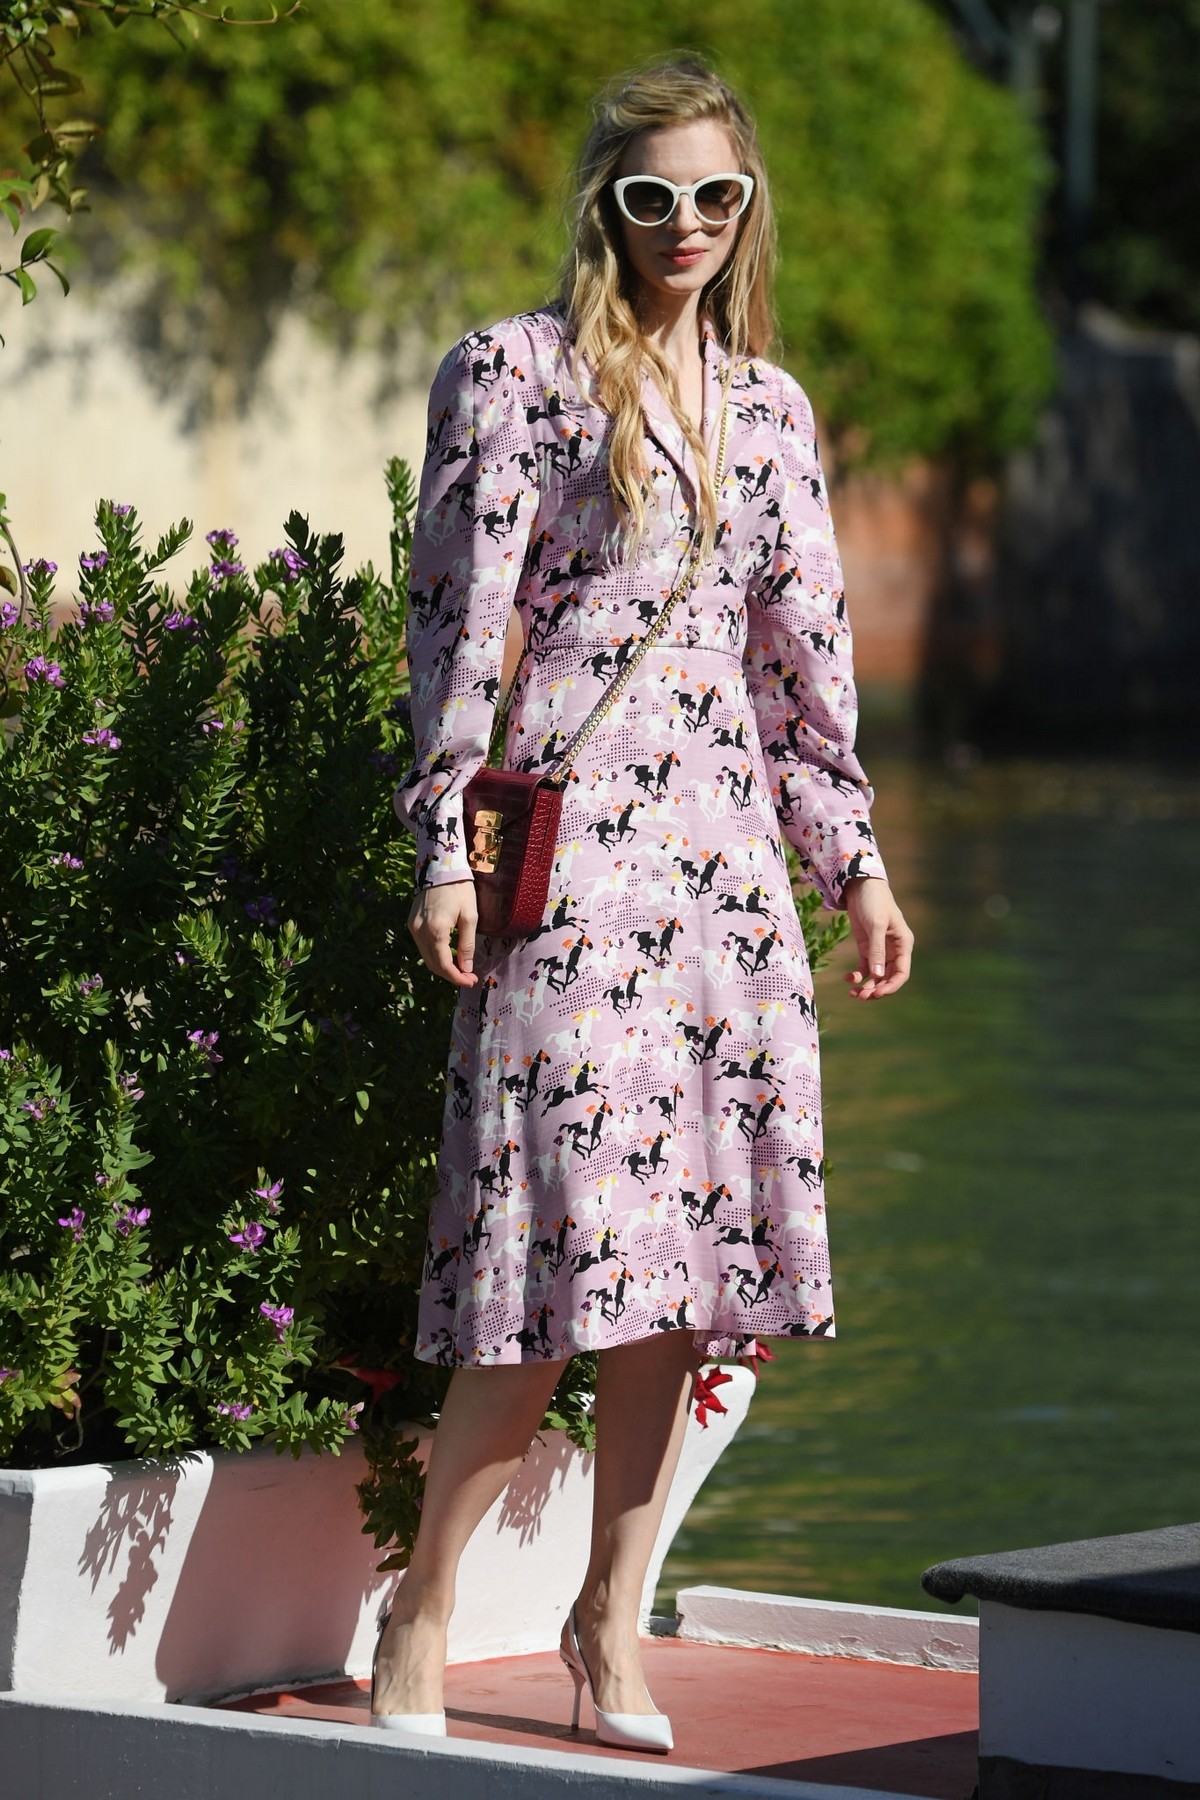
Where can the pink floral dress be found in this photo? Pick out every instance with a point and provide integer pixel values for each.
(632, 1133)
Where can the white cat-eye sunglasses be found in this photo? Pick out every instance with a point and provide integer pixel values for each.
(652, 199)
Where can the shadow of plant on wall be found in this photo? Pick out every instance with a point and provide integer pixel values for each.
(133, 1523)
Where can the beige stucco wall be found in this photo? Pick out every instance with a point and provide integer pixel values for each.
(79, 422)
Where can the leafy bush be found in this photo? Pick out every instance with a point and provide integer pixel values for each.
(30, 35)
(221, 1059)
(220, 1083)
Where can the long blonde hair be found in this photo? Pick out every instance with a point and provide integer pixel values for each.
(599, 287)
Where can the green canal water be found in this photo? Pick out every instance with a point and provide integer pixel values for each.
(1014, 1209)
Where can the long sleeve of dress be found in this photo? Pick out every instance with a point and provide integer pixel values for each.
(478, 495)
(800, 674)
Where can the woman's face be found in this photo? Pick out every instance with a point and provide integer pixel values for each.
(678, 258)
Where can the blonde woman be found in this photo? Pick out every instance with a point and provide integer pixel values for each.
(631, 1158)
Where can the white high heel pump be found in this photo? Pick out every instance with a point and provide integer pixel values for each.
(623, 1731)
(428, 1724)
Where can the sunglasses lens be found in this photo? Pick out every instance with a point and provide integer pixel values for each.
(648, 202)
(719, 201)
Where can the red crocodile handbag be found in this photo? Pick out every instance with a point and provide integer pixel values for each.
(511, 824)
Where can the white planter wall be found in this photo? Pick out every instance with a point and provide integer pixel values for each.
(225, 1573)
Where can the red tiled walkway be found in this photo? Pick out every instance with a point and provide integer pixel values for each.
(763, 1712)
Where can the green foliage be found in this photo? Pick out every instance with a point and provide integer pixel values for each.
(211, 1013)
(1143, 256)
(399, 171)
(30, 31)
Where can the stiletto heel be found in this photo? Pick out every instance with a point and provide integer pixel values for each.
(579, 1680)
(622, 1731)
(427, 1724)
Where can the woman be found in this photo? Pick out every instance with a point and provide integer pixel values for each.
(631, 1158)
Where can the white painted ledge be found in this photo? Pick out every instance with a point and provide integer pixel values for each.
(715, 1615)
(76, 1749)
(1076, 1691)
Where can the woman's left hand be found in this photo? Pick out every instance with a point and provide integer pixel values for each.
(882, 935)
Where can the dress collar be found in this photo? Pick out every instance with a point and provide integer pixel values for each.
(660, 420)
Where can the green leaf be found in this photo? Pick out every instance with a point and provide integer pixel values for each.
(37, 243)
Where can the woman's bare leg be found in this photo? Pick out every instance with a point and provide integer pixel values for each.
(642, 1395)
(486, 1426)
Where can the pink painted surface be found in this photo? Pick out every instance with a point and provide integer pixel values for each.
(765, 1712)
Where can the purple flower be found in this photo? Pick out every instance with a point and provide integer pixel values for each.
(251, 1236)
(280, 1317)
(95, 609)
(270, 1195)
(291, 559)
(386, 761)
(65, 860)
(7, 1374)
(204, 1041)
(226, 538)
(101, 1178)
(235, 1409)
(104, 739)
(120, 507)
(10, 612)
(224, 570)
(89, 983)
(38, 669)
(211, 727)
(185, 959)
(401, 709)
(350, 1416)
(40, 567)
(262, 910)
(6, 1055)
(74, 1222)
(177, 621)
(97, 559)
(132, 1215)
(41, 1107)
(348, 1024)
(129, 1086)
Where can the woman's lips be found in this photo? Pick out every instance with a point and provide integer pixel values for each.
(684, 258)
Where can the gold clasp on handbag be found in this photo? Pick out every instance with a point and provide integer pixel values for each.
(485, 850)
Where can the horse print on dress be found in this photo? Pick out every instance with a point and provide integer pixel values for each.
(632, 1133)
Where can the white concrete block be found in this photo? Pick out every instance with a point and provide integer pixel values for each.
(715, 1615)
(1070, 1690)
(226, 1573)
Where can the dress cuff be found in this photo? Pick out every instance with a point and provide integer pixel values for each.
(867, 863)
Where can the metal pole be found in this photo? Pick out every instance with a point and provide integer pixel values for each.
(1079, 145)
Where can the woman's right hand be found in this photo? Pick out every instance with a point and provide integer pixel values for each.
(435, 913)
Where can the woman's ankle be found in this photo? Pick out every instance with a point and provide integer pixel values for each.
(415, 1604)
(600, 1612)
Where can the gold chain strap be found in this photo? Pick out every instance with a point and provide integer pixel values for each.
(687, 580)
